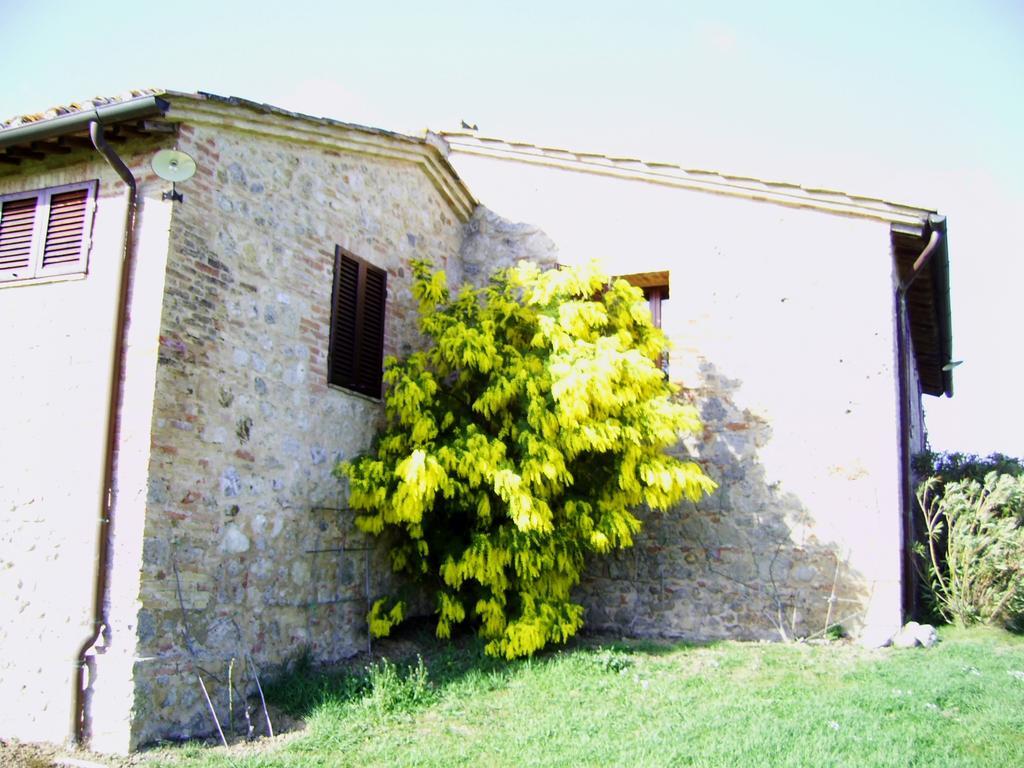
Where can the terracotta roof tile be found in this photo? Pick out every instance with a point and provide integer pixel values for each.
(77, 106)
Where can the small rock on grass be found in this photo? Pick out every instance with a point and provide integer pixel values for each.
(914, 634)
(926, 635)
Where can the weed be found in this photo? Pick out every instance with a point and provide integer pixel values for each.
(392, 689)
(611, 660)
(835, 632)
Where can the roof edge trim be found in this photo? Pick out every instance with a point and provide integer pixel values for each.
(911, 218)
(271, 122)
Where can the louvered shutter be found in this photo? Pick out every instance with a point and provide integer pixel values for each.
(370, 358)
(17, 226)
(64, 243)
(46, 233)
(356, 351)
(342, 351)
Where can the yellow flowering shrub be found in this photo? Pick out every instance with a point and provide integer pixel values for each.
(517, 445)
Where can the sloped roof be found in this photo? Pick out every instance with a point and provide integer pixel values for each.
(61, 130)
(928, 307)
(89, 105)
(141, 113)
(77, 106)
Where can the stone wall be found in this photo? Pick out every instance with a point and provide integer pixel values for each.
(246, 549)
(492, 243)
(745, 563)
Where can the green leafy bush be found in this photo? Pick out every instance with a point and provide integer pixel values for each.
(949, 467)
(519, 443)
(974, 550)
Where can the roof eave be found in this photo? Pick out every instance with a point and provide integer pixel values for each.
(107, 114)
(943, 304)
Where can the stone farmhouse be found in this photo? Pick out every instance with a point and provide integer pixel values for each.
(184, 363)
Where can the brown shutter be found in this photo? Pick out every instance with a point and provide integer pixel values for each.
(341, 363)
(654, 296)
(356, 352)
(370, 360)
(17, 222)
(65, 230)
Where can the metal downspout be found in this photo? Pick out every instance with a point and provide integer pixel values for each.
(907, 529)
(101, 626)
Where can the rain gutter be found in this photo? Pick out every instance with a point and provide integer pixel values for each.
(105, 114)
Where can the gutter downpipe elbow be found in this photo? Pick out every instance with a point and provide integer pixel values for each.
(101, 625)
(921, 262)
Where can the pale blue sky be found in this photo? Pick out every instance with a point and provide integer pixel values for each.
(918, 102)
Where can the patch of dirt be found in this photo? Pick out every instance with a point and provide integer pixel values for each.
(16, 754)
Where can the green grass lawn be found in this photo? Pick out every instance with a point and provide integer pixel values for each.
(642, 704)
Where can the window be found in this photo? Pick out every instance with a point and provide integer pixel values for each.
(655, 288)
(46, 232)
(355, 359)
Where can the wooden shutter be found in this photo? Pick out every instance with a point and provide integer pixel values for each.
(370, 357)
(654, 295)
(17, 225)
(356, 351)
(342, 351)
(65, 231)
(46, 232)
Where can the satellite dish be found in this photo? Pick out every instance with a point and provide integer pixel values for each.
(172, 165)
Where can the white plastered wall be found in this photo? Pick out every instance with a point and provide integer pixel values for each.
(55, 383)
(789, 311)
(111, 701)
